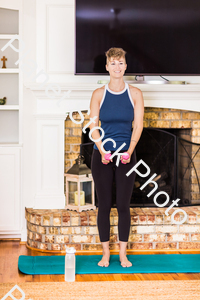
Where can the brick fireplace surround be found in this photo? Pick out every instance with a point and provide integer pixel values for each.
(50, 230)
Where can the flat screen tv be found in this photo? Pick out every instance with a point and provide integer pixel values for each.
(161, 37)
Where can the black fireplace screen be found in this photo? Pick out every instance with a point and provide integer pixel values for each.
(174, 160)
(188, 186)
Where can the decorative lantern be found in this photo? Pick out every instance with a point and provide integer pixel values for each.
(79, 187)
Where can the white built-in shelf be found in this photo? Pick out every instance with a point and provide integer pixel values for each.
(6, 36)
(10, 145)
(9, 107)
(9, 71)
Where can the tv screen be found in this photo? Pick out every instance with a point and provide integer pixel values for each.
(161, 37)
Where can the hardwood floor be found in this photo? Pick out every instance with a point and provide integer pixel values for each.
(10, 251)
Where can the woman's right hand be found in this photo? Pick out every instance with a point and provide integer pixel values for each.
(103, 160)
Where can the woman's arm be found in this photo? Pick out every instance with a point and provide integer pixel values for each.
(94, 111)
(137, 97)
(138, 117)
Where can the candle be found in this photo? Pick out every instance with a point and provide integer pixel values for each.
(82, 197)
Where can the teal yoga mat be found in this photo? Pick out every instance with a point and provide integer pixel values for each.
(87, 264)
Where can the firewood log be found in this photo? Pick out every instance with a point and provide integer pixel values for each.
(160, 184)
(137, 184)
(160, 177)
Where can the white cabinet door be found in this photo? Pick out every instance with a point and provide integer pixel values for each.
(10, 158)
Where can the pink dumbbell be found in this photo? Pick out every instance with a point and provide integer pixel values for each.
(107, 157)
(125, 156)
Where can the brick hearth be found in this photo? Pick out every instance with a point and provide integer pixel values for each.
(150, 229)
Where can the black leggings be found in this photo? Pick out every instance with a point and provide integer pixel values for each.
(103, 176)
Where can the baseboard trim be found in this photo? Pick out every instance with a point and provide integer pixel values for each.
(10, 239)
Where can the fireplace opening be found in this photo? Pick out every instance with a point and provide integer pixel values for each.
(170, 155)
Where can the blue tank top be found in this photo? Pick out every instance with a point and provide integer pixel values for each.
(116, 115)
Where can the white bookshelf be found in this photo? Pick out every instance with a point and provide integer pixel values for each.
(11, 143)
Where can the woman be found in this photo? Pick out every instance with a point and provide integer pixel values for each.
(116, 104)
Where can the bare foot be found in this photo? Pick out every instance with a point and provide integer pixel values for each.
(125, 262)
(104, 262)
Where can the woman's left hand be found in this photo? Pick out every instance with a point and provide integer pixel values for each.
(126, 161)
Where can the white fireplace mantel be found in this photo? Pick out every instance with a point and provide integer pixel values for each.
(50, 114)
(176, 96)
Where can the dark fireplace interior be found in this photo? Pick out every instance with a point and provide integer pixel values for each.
(170, 154)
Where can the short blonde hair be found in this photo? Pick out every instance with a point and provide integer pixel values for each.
(116, 53)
